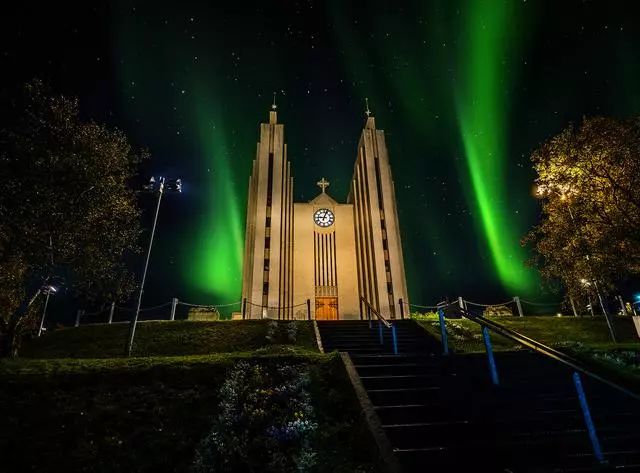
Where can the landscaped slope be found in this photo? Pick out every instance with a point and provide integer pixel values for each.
(465, 335)
(171, 339)
(151, 414)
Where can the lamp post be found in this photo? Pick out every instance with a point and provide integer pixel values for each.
(541, 191)
(48, 290)
(172, 185)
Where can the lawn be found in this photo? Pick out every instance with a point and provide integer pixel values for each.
(465, 335)
(148, 414)
(165, 338)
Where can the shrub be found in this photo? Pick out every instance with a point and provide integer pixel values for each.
(265, 423)
(272, 330)
(292, 332)
(423, 316)
(498, 311)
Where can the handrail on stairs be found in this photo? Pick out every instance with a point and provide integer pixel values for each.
(545, 350)
(381, 322)
(576, 365)
(371, 309)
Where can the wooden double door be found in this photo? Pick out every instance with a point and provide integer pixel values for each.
(326, 308)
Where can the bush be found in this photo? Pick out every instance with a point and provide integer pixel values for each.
(285, 333)
(423, 316)
(498, 311)
(265, 423)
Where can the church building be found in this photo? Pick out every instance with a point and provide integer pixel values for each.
(327, 255)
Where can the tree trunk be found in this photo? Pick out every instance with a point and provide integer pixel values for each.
(10, 342)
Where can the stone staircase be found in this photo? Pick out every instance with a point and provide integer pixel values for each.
(443, 413)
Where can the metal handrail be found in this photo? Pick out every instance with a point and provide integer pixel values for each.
(370, 308)
(543, 349)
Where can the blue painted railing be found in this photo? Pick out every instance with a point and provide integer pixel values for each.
(382, 324)
(578, 367)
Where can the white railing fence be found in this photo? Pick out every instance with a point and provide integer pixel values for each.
(167, 311)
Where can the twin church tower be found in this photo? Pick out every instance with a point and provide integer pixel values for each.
(330, 253)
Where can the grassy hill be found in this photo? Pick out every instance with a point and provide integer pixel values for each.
(149, 414)
(75, 402)
(166, 338)
(72, 400)
(465, 335)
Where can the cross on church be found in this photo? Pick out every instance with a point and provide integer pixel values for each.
(323, 184)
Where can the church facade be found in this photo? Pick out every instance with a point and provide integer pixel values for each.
(324, 255)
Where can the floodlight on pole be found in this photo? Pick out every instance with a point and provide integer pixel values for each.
(48, 290)
(174, 185)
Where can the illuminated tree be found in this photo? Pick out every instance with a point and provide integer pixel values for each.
(67, 216)
(589, 181)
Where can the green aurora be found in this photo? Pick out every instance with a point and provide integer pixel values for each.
(462, 89)
(217, 259)
(483, 113)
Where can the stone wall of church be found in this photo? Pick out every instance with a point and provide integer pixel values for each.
(311, 270)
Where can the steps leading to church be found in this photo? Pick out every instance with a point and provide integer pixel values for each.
(443, 414)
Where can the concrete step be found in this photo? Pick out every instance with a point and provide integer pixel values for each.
(400, 381)
(392, 397)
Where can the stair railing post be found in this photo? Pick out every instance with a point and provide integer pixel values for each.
(309, 309)
(493, 370)
(443, 331)
(394, 338)
(244, 308)
(111, 311)
(461, 303)
(401, 302)
(516, 299)
(380, 335)
(595, 443)
(174, 304)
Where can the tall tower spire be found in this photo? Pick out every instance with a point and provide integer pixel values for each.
(371, 121)
(267, 284)
(273, 115)
(382, 280)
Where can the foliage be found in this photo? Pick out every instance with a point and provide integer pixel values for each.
(589, 182)
(265, 423)
(498, 311)
(620, 363)
(283, 332)
(66, 213)
(423, 315)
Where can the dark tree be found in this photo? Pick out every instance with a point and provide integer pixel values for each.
(589, 181)
(67, 215)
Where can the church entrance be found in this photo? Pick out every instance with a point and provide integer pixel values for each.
(326, 308)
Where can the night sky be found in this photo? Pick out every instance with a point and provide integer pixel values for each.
(465, 90)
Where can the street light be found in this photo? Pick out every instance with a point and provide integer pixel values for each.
(565, 193)
(172, 185)
(48, 290)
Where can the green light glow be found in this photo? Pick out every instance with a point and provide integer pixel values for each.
(216, 265)
(482, 108)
